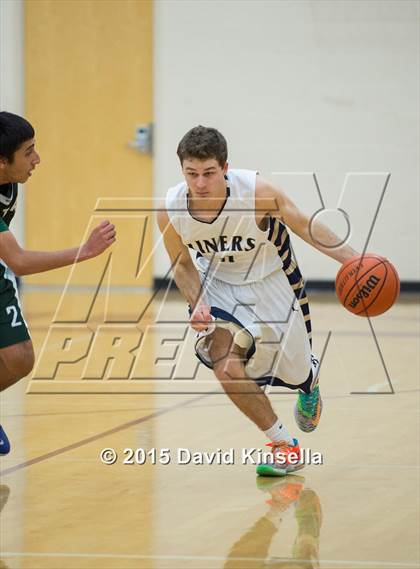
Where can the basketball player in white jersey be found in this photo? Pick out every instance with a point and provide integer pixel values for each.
(246, 294)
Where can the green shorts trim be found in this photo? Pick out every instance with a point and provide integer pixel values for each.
(13, 328)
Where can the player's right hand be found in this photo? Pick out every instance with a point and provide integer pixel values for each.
(201, 317)
(102, 237)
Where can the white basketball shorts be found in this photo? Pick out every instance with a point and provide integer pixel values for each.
(265, 318)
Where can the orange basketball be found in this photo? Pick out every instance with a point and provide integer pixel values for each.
(367, 285)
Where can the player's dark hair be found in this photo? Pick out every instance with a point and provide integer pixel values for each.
(14, 131)
(203, 142)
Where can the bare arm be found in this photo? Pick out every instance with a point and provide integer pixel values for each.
(185, 274)
(274, 202)
(23, 262)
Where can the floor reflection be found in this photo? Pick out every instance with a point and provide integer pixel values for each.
(252, 550)
(4, 496)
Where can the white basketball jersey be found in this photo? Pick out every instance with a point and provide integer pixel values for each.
(231, 248)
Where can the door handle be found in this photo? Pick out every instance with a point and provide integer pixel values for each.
(143, 139)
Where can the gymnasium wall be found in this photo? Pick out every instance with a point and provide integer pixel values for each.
(297, 88)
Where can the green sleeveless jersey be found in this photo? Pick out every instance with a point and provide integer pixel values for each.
(8, 197)
(13, 329)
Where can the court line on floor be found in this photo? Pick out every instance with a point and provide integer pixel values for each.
(87, 412)
(333, 562)
(291, 397)
(98, 436)
(335, 465)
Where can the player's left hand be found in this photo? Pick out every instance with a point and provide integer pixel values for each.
(102, 237)
(201, 317)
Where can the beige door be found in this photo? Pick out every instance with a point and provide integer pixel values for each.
(88, 86)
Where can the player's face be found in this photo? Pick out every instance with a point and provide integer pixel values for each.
(25, 159)
(205, 178)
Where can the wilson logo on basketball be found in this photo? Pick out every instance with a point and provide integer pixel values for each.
(351, 273)
(365, 290)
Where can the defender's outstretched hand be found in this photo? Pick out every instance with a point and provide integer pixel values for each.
(102, 237)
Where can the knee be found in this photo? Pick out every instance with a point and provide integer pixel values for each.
(20, 361)
(221, 374)
(228, 370)
(26, 364)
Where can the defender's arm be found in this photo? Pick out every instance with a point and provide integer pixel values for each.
(23, 262)
(185, 274)
(275, 203)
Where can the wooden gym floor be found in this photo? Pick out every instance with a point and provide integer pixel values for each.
(62, 508)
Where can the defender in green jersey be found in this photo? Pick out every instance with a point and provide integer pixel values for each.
(13, 329)
(18, 159)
